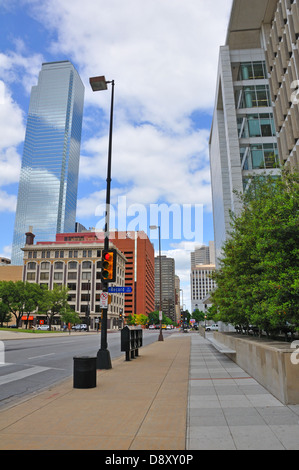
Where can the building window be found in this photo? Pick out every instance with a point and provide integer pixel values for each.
(73, 265)
(58, 276)
(253, 97)
(252, 71)
(72, 275)
(86, 276)
(86, 265)
(31, 265)
(30, 276)
(44, 276)
(256, 125)
(45, 265)
(58, 265)
(259, 156)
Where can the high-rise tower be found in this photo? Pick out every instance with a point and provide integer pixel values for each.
(47, 197)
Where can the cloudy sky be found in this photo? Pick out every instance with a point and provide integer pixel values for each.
(163, 56)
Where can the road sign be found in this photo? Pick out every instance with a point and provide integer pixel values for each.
(104, 299)
(120, 290)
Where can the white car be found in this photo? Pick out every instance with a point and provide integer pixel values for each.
(212, 327)
(43, 327)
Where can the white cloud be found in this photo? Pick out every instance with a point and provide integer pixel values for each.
(162, 55)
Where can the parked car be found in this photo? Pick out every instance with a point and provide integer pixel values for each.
(212, 327)
(81, 327)
(152, 327)
(43, 327)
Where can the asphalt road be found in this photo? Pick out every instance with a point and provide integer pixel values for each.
(33, 365)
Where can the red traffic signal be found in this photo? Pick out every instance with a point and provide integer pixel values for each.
(109, 266)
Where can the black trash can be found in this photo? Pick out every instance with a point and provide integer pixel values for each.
(85, 372)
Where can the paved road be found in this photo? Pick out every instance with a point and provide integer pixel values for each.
(34, 364)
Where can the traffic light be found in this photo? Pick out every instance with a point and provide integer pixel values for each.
(109, 266)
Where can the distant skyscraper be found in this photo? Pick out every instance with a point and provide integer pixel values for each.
(47, 197)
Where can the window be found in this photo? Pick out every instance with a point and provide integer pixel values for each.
(44, 276)
(253, 97)
(45, 265)
(86, 265)
(259, 156)
(256, 125)
(252, 71)
(73, 265)
(86, 276)
(58, 276)
(72, 275)
(58, 265)
(31, 265)
(30, 276)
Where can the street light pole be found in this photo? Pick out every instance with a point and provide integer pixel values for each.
(103, 356)
(154, 227)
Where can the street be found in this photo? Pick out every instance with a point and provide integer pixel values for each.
(35, 364)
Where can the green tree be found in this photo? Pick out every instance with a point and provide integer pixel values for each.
(198, 315)
(5, 315)
(21, 298)
(258, 278)
(54, 302)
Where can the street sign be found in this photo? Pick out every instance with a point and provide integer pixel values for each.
(120, 290)
(104, 299)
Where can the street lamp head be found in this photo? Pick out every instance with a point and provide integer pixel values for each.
(98, 83)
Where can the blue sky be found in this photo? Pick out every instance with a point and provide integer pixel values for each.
(163, 56)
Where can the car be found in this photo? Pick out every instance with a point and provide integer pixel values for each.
(81, 327)
(212, 327)
(168, 327)
(43, 327)
(152, 327)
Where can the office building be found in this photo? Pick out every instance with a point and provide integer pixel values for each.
(243, 141)
(140, 271)
(203, 255)
(74, 260)
(47, 196)
(168, 297)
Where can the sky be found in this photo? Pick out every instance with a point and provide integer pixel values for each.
(163, 57)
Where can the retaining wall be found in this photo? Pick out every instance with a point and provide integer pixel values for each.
(271, 363)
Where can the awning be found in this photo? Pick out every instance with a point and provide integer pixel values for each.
(30, 318)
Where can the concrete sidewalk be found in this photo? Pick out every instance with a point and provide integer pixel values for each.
(179, 394)
(141, 404)
(229, 410)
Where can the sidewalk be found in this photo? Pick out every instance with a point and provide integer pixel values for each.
(179, 394)
(229, 410)
(141, 404)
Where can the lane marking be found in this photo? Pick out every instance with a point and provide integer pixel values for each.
(22, 374)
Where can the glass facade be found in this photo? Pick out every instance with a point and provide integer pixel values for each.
(47, 197)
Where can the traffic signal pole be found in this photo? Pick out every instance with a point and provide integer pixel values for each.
(103, 355)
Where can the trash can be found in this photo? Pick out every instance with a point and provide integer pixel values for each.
(85, 372)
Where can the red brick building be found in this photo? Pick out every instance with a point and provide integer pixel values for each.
(140, 271)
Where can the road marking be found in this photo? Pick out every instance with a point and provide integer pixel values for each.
(44, 355)
(22, 374)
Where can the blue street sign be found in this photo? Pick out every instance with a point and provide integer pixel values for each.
(120, 290)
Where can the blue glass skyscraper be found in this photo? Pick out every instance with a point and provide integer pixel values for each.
(47, 197)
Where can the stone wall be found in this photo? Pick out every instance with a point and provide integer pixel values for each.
(271, 363)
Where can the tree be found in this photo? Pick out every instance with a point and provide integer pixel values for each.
(54, 302)
(198, 315)
(258, 278)
(5, 315)
(21, 298)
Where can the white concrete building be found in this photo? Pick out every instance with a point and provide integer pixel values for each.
(243, 140)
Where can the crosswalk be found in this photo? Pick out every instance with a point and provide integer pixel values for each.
(22, 374)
